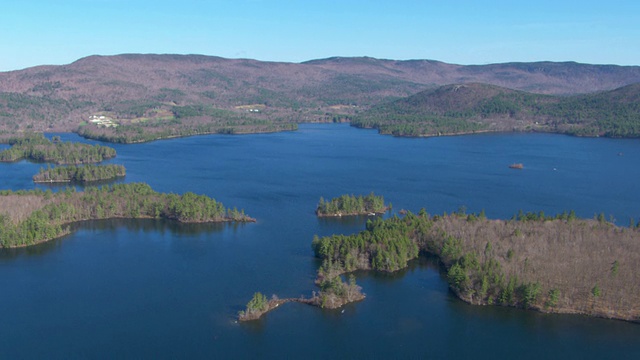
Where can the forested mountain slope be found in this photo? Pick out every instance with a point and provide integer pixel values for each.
(198, 94)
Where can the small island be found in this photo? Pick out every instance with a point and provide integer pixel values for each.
(36, 147)
(259, 305)
(82, 174)
(347, 205)
(334, 293)
(35, 216)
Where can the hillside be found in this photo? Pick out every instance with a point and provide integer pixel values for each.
(469, 108)
(174, 95)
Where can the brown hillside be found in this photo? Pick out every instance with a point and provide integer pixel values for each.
(129, 86)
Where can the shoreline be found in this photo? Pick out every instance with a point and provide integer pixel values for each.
(313, 301)
(478, 132)
(63, 181)
(68, 232)
(487, 262)
(364, 213)
(180, 136)
(543, 310)
(52, 213)
(464, 133)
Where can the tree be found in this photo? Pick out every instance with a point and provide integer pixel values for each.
(530, 294)
(615, 267)
(553, 297)
(257, 303)
(457, 276)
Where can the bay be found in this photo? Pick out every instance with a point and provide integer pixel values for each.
(156, 289)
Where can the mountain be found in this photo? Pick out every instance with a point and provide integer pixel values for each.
(152, 90)
(475, 107)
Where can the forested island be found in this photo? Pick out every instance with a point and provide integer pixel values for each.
(558, 264)
(31, 217)
(37, 147)
(352, 205)
(83, 174)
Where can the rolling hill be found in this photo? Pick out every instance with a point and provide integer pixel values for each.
(475, 107)
(174, 95)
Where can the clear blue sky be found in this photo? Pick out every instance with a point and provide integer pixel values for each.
(37, 32)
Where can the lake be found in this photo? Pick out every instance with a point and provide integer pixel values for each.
(157, 289)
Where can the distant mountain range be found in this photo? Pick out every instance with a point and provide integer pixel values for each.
(150, 90)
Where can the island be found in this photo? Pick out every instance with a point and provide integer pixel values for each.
(352, 205)
(35, 216)
(36, 147)
(82, 174)
(334, 293)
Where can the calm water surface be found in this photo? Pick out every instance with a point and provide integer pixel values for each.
(156, 289)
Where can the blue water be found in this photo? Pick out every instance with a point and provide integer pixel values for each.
(157, 289)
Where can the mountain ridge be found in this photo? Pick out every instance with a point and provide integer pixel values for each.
(132, 87)
(478, 107)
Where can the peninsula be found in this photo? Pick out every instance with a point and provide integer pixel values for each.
(471, 108)
(35, 147)
(558, 264)
(31, 217)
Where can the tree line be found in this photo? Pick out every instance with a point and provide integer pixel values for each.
(135, 200)
(37, 147)
(550, 263)
(351, 205)
(85, 173)
(187, 121)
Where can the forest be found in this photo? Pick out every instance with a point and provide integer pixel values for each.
(548, 263)
(351, 205)
(185, 121)
(38, 216)
(472, 108)
(82, 174)
(36, 147)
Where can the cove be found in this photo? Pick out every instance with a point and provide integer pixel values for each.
(157, 289)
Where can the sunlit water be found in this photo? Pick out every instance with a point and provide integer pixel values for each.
(157, 289)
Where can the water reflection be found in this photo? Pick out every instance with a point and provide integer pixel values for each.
(35, 250)
(359, 220)
(422, 263)
(160, 226)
